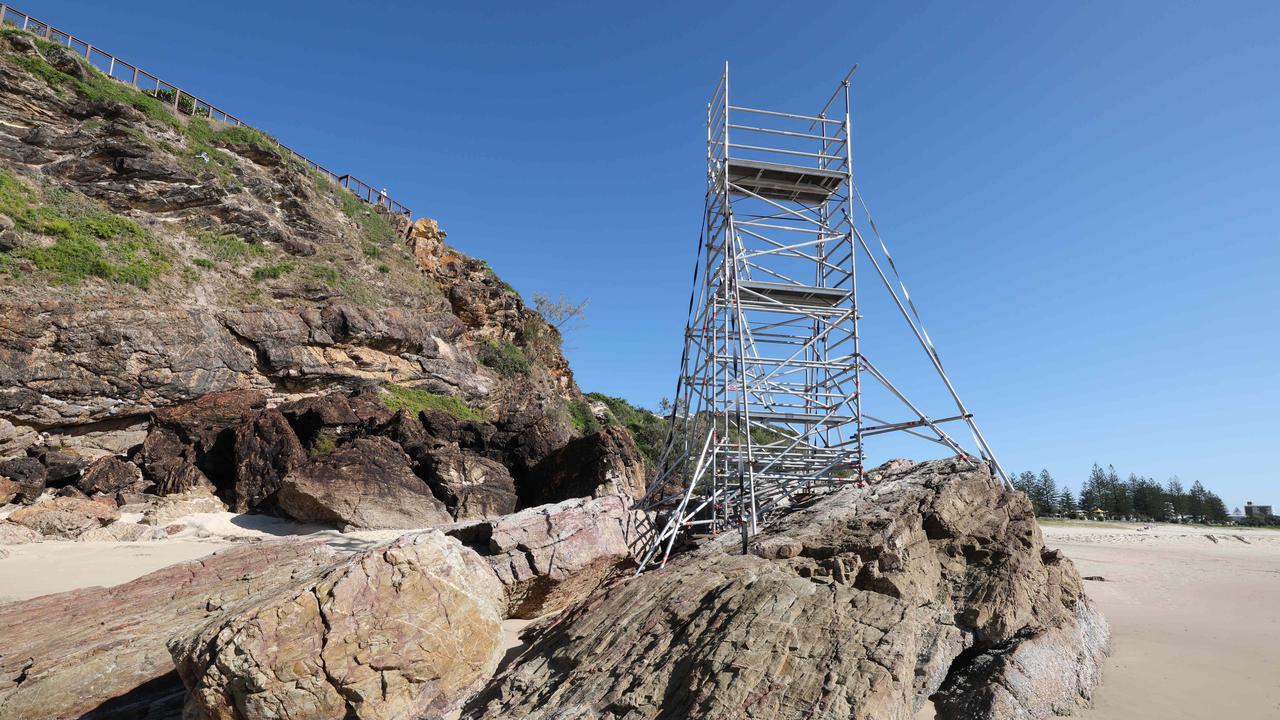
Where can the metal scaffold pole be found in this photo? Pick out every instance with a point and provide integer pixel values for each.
(769, 405)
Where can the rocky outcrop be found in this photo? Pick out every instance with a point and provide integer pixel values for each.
(264, 450)
(251, 278)
(403, 631)
(110, 475)
(66, 517)
(367, 484)
(552, 556)
(100, 652)
(27, 477)
(604, 463)
(861, 604)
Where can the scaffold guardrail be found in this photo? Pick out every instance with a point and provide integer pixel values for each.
(183, 101)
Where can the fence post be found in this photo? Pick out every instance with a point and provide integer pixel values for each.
(135, 78)
(3, 9)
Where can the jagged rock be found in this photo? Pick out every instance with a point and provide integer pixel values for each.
(552, 556)
(855, 605)
(402, 631)
(110, 475)
(12, 533)
(62, 467)
(335, 416)
(164, 510)
(101, 653)
(367, 484)
(65, 517)
(604, 463)
(167, 464)
(265, 451)
(471, 487)
(28, 474)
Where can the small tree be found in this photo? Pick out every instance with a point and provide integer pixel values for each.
(560, 313)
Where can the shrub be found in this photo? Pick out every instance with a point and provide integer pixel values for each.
(583, 420)
(507, 359)
(647, 429)
(413, 400)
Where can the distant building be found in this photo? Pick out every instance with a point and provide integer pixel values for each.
(1260, 512)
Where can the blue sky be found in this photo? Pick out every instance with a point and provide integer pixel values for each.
(1083, 196)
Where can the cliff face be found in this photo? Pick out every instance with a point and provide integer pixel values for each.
(152, 258)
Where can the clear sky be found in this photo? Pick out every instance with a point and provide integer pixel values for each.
(1084, 197)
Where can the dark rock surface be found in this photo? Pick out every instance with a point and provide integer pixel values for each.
(110, 475)
(862, 604)
(604, 463)
(367, 484)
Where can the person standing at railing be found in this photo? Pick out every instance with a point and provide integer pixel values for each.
(382, 198)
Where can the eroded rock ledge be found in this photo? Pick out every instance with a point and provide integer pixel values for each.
(932, 583)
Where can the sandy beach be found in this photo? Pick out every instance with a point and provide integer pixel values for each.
(1195, 612)
(1195, 619)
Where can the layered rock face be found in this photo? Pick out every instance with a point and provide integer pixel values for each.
(101, 653)
(176, 280)
(408, 630)
(865, 604)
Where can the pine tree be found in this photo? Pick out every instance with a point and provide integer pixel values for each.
(1047, 492)
(1197, 505)
(1091, 493)
(1066, 503)
(1176, 496)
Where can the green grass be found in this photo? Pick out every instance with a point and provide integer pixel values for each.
(322, 445)
(507, 359)
(326, 274)
(374, 226)
(272, 271)
(226, 247)
(203, 263)
(97, 87)
(413, 400)
(87, 240)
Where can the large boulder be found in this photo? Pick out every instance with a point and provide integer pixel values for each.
(265, 450)
(861, 604)
(110, 475)
(66, 517)
(28, 474)
(402, 631)
(603, 463)
(367, 484)
(100, 652)
(471, 487)
(552, 556)
(12, 533)
(187, 442)
(62, 467)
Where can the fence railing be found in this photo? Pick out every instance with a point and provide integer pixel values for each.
(181, 100)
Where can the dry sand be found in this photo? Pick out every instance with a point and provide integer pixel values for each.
(1195, 623)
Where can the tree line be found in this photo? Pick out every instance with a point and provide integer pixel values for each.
(1137, 497)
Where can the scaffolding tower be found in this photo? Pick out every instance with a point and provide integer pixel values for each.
(769, 398)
